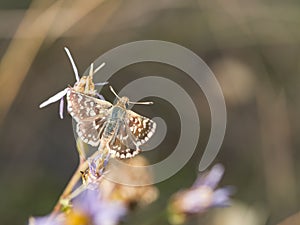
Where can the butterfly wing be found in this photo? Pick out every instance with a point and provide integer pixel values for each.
(81, 106)
(90, 114)
(90, 130)
(121, 144)
(134, 131)
(141, 128)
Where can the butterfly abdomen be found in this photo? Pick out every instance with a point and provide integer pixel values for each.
(109, 129)
(117, 113)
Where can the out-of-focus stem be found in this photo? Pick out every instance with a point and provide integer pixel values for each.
(68, 193)
(75, 178)
(70, 186)
(24, 51)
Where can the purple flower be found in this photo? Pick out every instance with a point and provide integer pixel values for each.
(201, 196)
(204, 194)
(89, 208)
(47, 220)
(93, 174)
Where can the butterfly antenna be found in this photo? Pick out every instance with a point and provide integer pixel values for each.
(113, 91)
(99, 67)
(141, 103)
(91, 73)
(72, 63)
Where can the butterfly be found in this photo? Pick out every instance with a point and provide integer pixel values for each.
(83, 85)
(115, 127)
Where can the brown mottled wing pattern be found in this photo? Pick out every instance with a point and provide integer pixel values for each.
(90, 114)
(121, 144)
(141, 128)
(90, 130)
(81, 106)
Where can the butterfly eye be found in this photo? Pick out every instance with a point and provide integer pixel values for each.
(127, 105)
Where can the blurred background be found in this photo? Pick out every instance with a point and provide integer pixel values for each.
(253, 47)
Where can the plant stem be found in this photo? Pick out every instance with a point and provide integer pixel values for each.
(73, 181)
(83, 165)
(76, 176)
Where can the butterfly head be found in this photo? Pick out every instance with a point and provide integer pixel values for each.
(123, 102)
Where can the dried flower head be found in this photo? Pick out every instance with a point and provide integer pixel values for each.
(130, 195)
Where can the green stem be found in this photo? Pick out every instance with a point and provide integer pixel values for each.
(70, 186)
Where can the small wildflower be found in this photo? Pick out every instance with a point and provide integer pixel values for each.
(90, 209)
(92, 176)
(200, 197)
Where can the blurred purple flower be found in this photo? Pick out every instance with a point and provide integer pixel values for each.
(211, 179)
(47, 220)
(92, 176)
(201, 196)
(89, 208)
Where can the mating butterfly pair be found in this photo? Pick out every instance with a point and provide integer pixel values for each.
(99, 123)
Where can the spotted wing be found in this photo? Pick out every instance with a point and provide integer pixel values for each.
(90, 130)
(141, 128)
(81, 106)
(121, 144)
(90, 114)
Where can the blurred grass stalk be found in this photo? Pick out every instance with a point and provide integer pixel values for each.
(276, 150)
(42, 22)
(22, 51)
